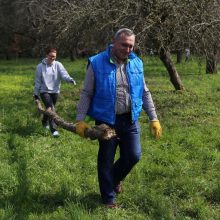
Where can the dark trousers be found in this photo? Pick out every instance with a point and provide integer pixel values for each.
(111, 172)
(49, 100)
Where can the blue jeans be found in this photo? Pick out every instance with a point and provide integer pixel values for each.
(49, 100)
(111, 172)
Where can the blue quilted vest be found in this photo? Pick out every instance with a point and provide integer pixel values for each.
(103, 103)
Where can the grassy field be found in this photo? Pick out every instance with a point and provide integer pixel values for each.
(44, 178)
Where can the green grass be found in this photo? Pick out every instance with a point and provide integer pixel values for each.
(178, 176)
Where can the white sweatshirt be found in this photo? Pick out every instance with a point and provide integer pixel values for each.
(48, 77)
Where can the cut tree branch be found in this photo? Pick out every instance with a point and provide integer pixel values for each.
(103, 131)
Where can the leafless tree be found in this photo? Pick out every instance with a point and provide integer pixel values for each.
(205, 31)
(167, 25)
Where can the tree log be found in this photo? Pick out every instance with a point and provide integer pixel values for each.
(102, 132)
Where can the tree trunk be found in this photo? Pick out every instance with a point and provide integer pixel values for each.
(72, 55)
(179, 56)
(102, 132)
(7, 55)
(174, 76)
(212, 63)
(72, 58)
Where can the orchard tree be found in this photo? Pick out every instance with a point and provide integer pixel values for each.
(205, 32)
(168, 25)
(7, 26)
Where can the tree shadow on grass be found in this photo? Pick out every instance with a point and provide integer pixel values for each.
(24, 202)
(23, 131)
(46, 203)
(90, 201)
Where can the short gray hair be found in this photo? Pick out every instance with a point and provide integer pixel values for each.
(123, 31)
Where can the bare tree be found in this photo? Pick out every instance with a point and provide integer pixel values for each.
(204, 31)
(169, 25)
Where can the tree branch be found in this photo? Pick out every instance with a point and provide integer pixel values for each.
(102, 131)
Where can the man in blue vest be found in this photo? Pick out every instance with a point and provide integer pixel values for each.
(114, 93)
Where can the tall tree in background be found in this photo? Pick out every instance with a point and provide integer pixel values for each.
(168, 25)
(7, 26)
(204, 31)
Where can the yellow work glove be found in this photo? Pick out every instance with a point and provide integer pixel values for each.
(155, 128)
(81, 126)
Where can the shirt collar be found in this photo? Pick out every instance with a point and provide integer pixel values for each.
(113, 59)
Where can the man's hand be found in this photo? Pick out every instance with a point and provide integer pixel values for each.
(81, 126)
(155, 128)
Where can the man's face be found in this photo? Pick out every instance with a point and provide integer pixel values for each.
(123, 46)
(51, 57)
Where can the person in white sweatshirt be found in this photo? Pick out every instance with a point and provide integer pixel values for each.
(48, 76)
